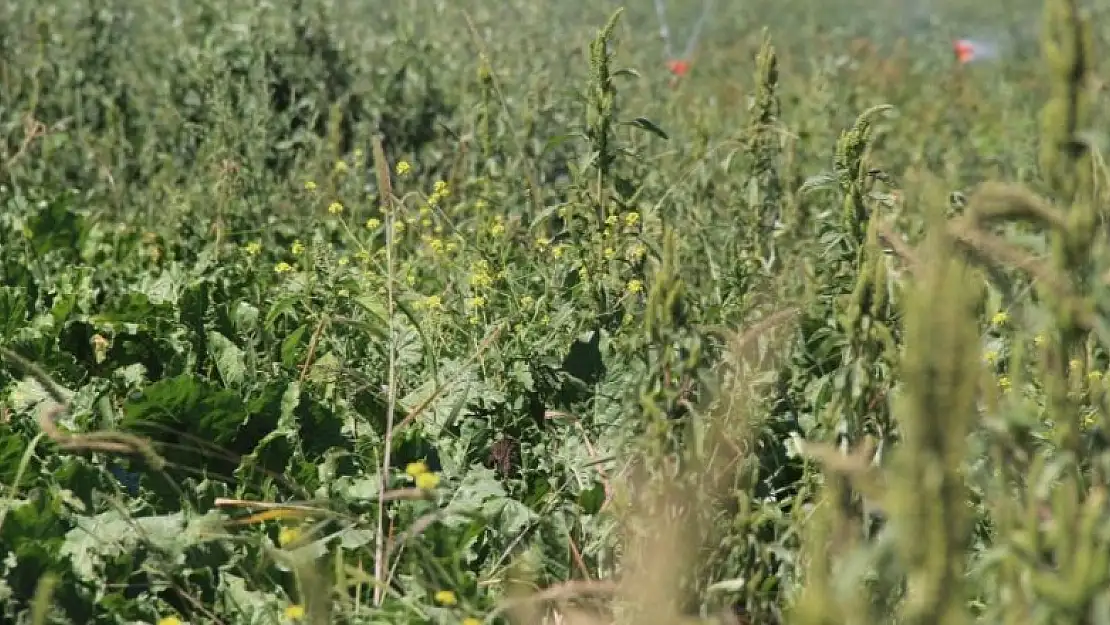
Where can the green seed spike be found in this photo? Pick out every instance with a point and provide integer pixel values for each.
(927, 492)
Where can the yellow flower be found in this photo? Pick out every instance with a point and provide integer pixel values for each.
(436, 245)
(297, 248)
(498, 227)
(636, 252)
(480, 275)
(1074, 364)
(991, 357)
(309, 185)
(610, 253)
(1089, 420)
(470, 620)
(169, 620)
(288, 535)
(1004, 383)
(542, 243)
(373, 223)
(294, 612)
(635, 286)
(427, 481)
(611, 220)
(446, 597)
(283, 267)
(253, 248)
(527, 301)
(441, 189)
(631, 219)
(340, 167)
(335, 208)
(1038, 340)
(403, 168)
(558, 250)
(1000, 318)
(477, 302)
(416, 468)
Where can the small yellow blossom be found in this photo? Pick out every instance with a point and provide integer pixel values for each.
(335, 208)
(636, 252)
(343, 261)
(288, 535)
(340, 167)
(1074, 364)
(527, 301)
(477, 302)
(403, 168)
(558, 251)
(610, 253)
(283, 267)
(373, 223)
(1039, 340)
(635, 286)
(990, 357)
(441, 189)
(416, 468)
(1000, 318)
(1004, 383)
(631, 219)
(343, 293)
(542, 243)
(294, 612)
(498, 227)
(446, 597)
(169, 620)
(297, 248)
(436, 245)
(253, 248)
(470, 620)
(480, 275)
(432, 302)
(309, 185)
(611, 220)
(427, 481)
(398, 227)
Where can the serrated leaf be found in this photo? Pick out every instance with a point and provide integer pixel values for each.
(290, 344)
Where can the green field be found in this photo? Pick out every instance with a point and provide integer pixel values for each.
(416, 311)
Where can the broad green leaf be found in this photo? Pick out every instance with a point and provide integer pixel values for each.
(229, 359)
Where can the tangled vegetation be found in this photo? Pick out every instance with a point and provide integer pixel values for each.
(470, 312)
